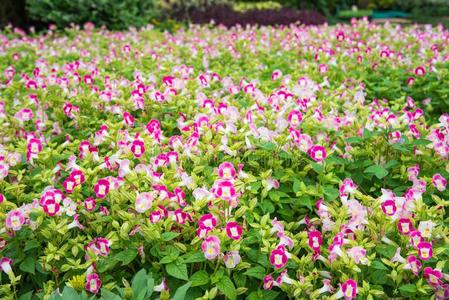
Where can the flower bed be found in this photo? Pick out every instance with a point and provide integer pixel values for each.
(258, 163)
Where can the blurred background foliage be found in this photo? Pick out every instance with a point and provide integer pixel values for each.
(166, 14)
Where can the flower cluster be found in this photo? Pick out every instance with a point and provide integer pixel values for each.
(271, 162)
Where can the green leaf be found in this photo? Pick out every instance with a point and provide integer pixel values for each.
(408, 290)
(377, 170)
(354, 140)
(268, 146)
(256, 272)
(421, 142)
(262, 294)
(31, 244)
(317, 167)
(108, 295)
(26, 296)
(194, 257)
(70, 294)
(126, 256)
(305, 201)
(378, 265)
(139, 285)
(391, 164)
(401, 148)
(330, 193)
(181, 292)
(28, 265)
(226, 286)
(199, 278)
(177, 270)
(386, 250)
(296, 185)
(167, 236)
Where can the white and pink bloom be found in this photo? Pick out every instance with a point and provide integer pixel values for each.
(101, 188)
(439, 182)
(315, 240)
(433, 276)
(5, 265)
(317, 153)
(93, 283)
(138, 148)
(226, 171)
(15, 219)
(268, 282)
(232, 259)
(348, 289)
(233, 230)
(143, 202)
(278, 257)
(211, 247)
(405, 226)
(425, 250)
(358, 254)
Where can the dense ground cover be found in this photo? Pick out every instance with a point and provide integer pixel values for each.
(304, 162)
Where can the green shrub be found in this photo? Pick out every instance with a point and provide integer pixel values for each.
(115, 14)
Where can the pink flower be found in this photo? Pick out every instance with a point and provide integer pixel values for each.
(285, 240)
(327, 287)
(268, 282)
(389, 207)
(93, 283)
(143, 202)
(439, 182)
(211, 247)
(425, 250)
(317, 153)
(358, 254)
(128, 119)
(155, 216)
(348, 187)
(101, 188)
(15, 219)
(2, 198)
(232, 259)
(283, 278)
(420, 71)
(69, 184)
(405, 226)
(278, 257)
(276, 75)
(51, 207)
(349, 289)
(5, 265)
(34, 146)
(433, 276)
(102, 246)
(78, 175)
(162, 286)
(442, 292)
(90, 204)
(277, 226)
(294, 118)
(413, 172)
(415, 238)
(180, 196)
(413, 264)
(207, 221)
(315, 240)
(138, 148)
(225, 190)
(233, 230)
(180, 216)
(226, 171)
